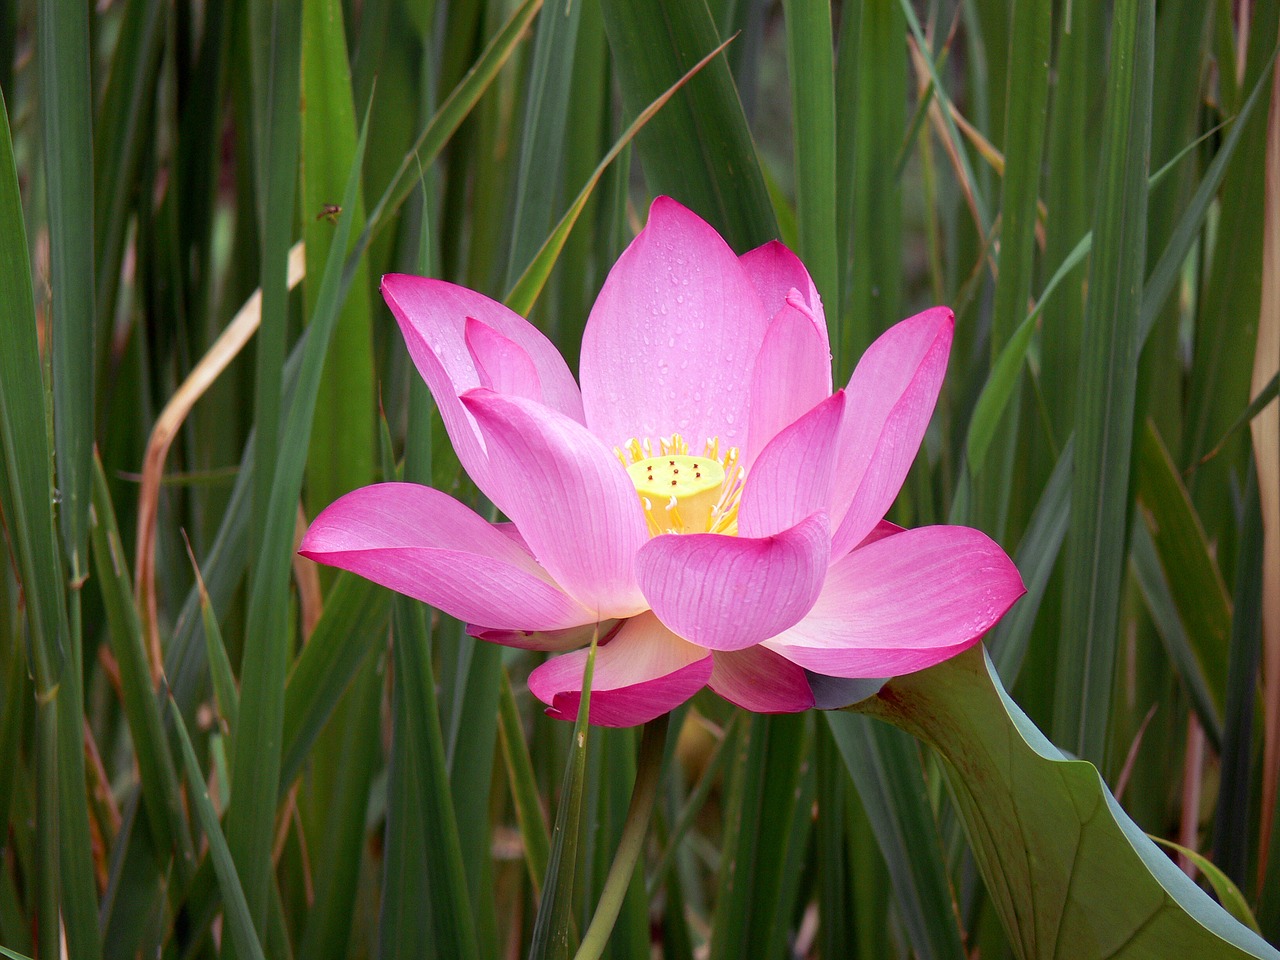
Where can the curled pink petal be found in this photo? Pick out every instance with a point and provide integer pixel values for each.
(669, 338)
(502, 365)
(759, 680)
(432, 315)
(569, 496)
(893, 389)
(643, 671)
(425, 544)
(727, 593)
(548, 641)
(904, 603)
(792, 373)
(775, 272)
(791, 479)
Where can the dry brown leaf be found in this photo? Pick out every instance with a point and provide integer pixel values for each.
(225, 349)
(1265, 428)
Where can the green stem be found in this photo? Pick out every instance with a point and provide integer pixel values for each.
(648, 768)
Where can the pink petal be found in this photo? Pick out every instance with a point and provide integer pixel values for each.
(501, 364)
(881, 530)
(893, 391)
(727, 593)
(775, 271)
(791, 479)
(759, 680)
(425, 544)
(432, 315)
(570, 497)
(672, 337)
(642, 672)
(792, 373)
(904, 603)
(549, 641)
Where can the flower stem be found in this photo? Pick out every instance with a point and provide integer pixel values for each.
(648, 767)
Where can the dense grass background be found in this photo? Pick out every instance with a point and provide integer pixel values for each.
(1090, 185)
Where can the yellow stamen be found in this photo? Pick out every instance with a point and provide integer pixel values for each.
(696, 494)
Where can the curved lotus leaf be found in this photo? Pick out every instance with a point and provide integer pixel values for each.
(1069, 873)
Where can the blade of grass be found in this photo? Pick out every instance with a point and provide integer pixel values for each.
(239, 918)
(553, 930)
(28, 517)
(880, 127)
(66, 109)
(1199, 592)
(524, 788)
(341, 456)
(699, 149)
(811, 69)
(761, 802)
(1108, 382)
(1232, 823)
(526, 290)
(885, 767)
(156, 771)
(538, 171)
(1161, 602)
(256, 773)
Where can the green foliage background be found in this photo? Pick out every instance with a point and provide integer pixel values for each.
(223, 751)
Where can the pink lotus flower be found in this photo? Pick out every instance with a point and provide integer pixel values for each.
(704, 498)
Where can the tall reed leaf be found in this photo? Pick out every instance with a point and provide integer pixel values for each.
(1106, 392)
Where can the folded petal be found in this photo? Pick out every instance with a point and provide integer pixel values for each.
(792, 373)
(433, 318)
(548, 641)
(759, 680)
(502, 365)
(642, 672)
(791, 479)
(893, 391)
(569, 496)
(425, 544)
(727, 593)
(904, 603)
(775, 272)
(676, 326)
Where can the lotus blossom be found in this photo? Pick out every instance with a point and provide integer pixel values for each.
(704, 504)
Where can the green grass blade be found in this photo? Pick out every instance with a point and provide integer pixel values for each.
(451, 911)
(350, 629)
(448, 118)
(28, 517)
(256, 772)
(699, 149)
(1183, 549)
(341, 456)
(124, 122)
(885, 767)
(811, 66)
(66, 110)
(761, 805)
(236, 906)
(524, 788)
(526, 290)
(1107, 388)
(553, 930)
(336, 867)
(1162, 603)
(880, 124)
(156, 771)
(1036, 558)
(1232, 825)
(542, 143)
